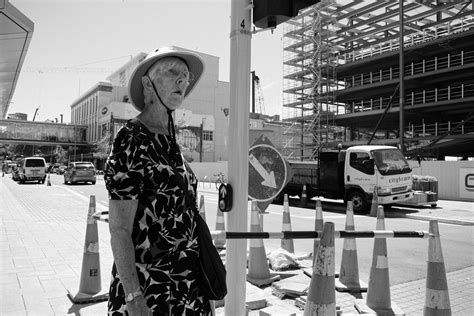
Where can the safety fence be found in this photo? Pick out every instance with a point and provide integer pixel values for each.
(319, 296)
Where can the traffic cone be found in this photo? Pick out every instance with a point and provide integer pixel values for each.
(202, 208)
(48, 181)
(258, 271)
(318, 226)
(375, 203)
(321, 298)
(437, 296)
(304, 197)
(220, 225)
(287, 244)
(90, 284)
(348, 280)
(378, 293)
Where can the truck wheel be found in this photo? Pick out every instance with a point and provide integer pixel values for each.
(359, 202)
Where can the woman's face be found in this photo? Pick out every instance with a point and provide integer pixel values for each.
(170, 77)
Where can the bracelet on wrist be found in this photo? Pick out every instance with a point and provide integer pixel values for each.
(132, 296)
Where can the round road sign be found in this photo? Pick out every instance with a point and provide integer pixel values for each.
(267, 172)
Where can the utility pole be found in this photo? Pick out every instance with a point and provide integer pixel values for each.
(240, 48)
(402, 88)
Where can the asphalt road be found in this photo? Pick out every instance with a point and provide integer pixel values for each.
(407, 257)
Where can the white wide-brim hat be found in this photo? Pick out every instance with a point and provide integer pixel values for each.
(135, 87)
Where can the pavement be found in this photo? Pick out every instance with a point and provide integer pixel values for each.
(42, 243)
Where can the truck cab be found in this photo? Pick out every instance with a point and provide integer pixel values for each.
(381, 167)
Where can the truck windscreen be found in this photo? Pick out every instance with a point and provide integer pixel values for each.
(390, 161)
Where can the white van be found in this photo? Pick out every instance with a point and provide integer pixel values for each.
(32, 169)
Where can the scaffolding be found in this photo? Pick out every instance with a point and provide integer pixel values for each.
(328, 52)
(309, 81)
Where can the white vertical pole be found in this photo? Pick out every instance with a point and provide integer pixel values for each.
(240, 40)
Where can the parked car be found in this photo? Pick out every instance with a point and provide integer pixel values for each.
(80, 171)
(32, 169)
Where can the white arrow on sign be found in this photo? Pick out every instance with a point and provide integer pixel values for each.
(268, 177)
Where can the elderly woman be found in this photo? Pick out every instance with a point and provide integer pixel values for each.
(153, 233)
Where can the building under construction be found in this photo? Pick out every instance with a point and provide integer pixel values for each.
(342, 82)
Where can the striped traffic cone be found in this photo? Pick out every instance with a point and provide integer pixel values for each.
(304, 197)
(258, 271)
(375, 203)
(90, 284)
(378, 293)
(318, 226)
(202, 208)
(321, 295)
(348, 280)
(287, 244)
(437, 296)
(220, 225)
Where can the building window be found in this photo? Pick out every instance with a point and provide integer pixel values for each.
(208, 135)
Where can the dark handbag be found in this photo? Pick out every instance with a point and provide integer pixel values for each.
(212, 273)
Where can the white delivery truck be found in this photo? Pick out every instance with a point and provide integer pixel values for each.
(352, 174)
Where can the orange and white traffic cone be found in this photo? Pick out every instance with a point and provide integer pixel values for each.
(321, 294)
(375, 203)
(437, 296)
(258, 271)
(202, 208)
(220, 225)
(348, 280)
(318, 226)
(287, 244)
(48, 181)
(90, 285)
(378, 293)
(304, 197)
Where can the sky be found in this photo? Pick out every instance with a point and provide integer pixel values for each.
(93, 34)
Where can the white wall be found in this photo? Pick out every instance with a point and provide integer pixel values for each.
(455, 178)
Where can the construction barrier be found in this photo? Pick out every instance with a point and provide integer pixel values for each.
(90, 284)
(375, 203)
(202, 208)
(220, 225)
(318, 226)
(287, 244)
(309, 234)
(348, 280)
(258, 271)
(304, 197)
(321, 296)
(378, 294)
(437, 296)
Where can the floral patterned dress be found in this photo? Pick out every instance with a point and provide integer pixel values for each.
(164, 233)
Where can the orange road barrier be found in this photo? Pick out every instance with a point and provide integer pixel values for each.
(321, 295)
(375, 203)
(304, 197)
(287, 244)
(437, 296)
(258, 271)
(48, 181)
(378, 293)
(318, 226)
(90, 284)
(349, 273)
(220, 225)
(202, 208)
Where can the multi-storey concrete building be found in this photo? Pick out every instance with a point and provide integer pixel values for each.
(342, 81)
